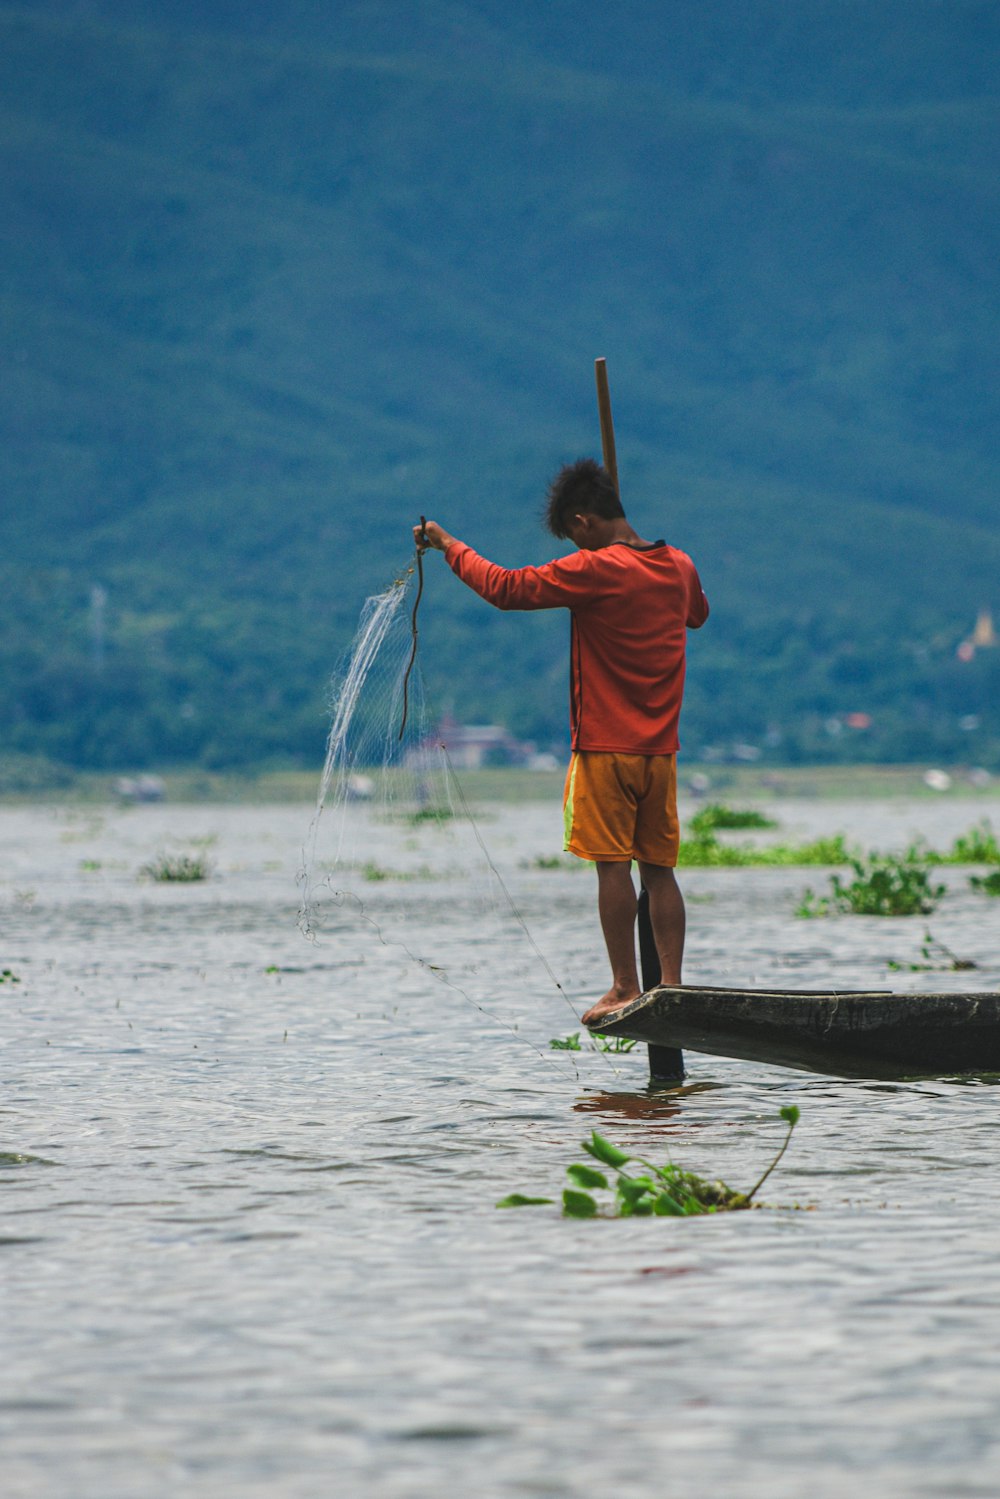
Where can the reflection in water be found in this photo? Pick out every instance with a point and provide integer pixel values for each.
(651, 1103)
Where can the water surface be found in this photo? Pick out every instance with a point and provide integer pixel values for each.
(249, 1244)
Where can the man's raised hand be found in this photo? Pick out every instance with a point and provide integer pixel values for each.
(430, 534)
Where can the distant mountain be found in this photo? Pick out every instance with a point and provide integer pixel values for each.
(279, 279)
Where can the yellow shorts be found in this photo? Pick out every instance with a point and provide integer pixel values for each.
(621, 807)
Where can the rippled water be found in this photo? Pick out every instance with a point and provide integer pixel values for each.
(249, 1244)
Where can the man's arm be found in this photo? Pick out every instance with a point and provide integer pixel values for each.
(562, 584)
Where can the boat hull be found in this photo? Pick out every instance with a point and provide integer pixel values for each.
(846, 1034)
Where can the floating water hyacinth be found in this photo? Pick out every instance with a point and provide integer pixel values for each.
(658, 1191)
(883, 885)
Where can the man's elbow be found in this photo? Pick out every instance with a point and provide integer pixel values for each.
(508, 599)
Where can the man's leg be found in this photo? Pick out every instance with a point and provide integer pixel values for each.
(617, 904)
(667, 918)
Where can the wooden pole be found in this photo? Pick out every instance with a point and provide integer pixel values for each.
(607, 424)
(666, 1063)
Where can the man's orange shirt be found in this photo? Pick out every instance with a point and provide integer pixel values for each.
(630, 609)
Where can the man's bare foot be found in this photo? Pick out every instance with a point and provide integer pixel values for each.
(613, 1000)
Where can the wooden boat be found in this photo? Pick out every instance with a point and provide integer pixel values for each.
(849, 1033)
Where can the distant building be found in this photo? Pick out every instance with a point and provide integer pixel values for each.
(140, 789)
(471, 746)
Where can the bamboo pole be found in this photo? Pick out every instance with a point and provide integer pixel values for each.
(607, 423)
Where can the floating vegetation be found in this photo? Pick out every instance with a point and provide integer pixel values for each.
(177, 868)
(936, 958)
(555, 861)
(977, 846)
(617, 1044)
(883, 885)
(988, 884)
(8, 976)
(376, 873)
(436, 815)
(706, 852)
(657, 1191)
(716, 815)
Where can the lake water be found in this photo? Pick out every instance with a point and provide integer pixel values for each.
(249, 1244)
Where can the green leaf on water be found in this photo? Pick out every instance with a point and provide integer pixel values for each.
(636, 1195)
(665, 1206)
(632, 1188)
(642, 1207)
(586, 1176)
(790, 1114)
(518, 1200)
(578, 1204)
(603, 1150)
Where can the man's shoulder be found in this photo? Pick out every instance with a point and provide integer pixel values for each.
(572, 562)
(662, 551)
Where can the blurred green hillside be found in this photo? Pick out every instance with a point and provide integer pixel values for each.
(276, 280)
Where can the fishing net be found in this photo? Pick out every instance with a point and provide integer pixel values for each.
(395, 857)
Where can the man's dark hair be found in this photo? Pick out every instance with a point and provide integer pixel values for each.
(581, 488)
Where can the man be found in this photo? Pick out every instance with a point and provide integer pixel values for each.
(631, 603)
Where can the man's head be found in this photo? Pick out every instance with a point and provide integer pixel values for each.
(581, 492)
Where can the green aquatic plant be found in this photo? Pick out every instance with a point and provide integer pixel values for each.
(8, 976)
(375, 873)
(812, 905)
(706, 852)
(988, 884)
(716, 815)
(936, 958)
(436, 815)
(829, 850)
(619, 1045)
(177, 868)
(883, 885)
(977, 846)
(657, 1191)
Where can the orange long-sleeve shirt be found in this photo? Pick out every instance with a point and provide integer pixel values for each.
(630, 609)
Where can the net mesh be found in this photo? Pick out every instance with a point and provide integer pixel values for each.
(393, 851)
